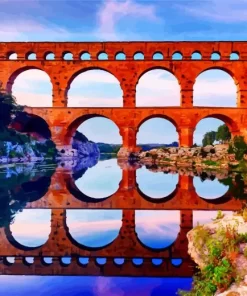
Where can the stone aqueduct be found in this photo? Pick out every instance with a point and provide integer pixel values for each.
(64, 120)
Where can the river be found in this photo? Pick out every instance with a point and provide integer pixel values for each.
(115, 228)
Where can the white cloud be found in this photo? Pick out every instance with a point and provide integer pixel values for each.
(113, 11)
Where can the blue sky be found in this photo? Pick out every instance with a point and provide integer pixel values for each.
(114, 20)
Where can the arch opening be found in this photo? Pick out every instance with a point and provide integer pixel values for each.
(49, 56)
(157, 229)
(31, 228)
(157, 87)
(94, 88)
(68, 56)
(215, 88)
(94, 228)
(31, 56)
(85, 56)
(138, 56)
(158, 56)
(102, 56)
(177, 56)
(12, 56)
(196, 55)
(120, 56)
(234, 56)
(215, 56)
(31, 87)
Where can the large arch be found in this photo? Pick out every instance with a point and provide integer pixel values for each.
(215, 87)
(157, 87)
(78, 122)
(31, 86)
(211, 122)
(31, 228)
(157, 229)
(94, 228)
(150, 129)
(94, 87)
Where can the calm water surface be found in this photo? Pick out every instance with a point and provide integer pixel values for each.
(112, 237)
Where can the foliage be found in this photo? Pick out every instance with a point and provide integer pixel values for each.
(219, 252)
(8, 108)
(238, 147)
(209, 138)
(222, 135)
(210, 162)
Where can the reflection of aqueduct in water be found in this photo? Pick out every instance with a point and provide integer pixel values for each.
(63, 120)
(127, 246)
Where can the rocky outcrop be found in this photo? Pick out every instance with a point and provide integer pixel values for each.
(196, 156)
(222, 244)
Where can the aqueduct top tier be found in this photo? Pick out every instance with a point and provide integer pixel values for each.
(176, 57)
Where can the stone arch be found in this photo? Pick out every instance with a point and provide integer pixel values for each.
(139, 56)
(177, 55)
(42, 83)
(152, 228)
(215, 55)
(22, 232)
(93, 228)
(210, 86)
(30, 55)
(85, 56)
(234, 55)
(120, 56)
(72, 127)
(196, 55)
(158, 55)
(114, 97)
(102, 56)
(67, 56)
(231, 123)
(213, 188)
(157, 81)
(49, 55)
(158, 115)
(12, 55)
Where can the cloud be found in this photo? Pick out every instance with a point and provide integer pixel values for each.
(114, 11)
(230, 12)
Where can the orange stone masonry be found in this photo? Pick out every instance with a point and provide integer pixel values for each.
(63, 121)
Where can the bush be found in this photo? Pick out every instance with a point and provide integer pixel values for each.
(238, 147)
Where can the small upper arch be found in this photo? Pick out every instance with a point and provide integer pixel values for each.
(102, 56)
(234, 56)
(138, 55)
(215, 55)
(11, 55)
(120, 56)
(85, 56)
(196, 55)
(49, 55)
(67, 55)
(158, 55)
(30, 55)
(177, 55)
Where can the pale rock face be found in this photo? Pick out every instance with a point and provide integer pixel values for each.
(240, 227)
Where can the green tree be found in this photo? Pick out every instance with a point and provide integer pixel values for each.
(223, 134)
(8, 108)
(209, 138)
(238, 147)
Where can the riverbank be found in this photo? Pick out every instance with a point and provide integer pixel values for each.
(200, 157)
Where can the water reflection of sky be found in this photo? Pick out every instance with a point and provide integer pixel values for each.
(156, 185)
(102, 180)
(209, 189)
(91, 286)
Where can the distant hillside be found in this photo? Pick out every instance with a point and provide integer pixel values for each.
(113, 148)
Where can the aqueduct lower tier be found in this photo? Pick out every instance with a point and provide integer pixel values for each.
(63, 121)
